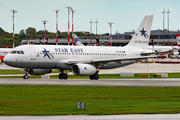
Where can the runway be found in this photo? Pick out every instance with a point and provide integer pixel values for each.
(97, 117)
(163, 82)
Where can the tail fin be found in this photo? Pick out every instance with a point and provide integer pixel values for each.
(77, 42)
(142, 34)
(178, 39)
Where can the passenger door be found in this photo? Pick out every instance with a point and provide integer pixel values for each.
(33, 53)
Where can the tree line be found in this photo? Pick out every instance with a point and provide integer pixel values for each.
(31, 33)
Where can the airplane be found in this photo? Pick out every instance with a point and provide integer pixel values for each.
(164, 49)
(81, 60)
(4, 52)
(178, 39)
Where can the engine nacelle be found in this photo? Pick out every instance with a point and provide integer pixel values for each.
(39, 71)
(84, 69)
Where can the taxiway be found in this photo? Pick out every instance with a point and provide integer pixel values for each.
(161, 82)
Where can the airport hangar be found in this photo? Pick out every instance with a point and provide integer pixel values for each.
(160, 38)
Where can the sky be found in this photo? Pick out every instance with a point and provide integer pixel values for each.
(125, 14)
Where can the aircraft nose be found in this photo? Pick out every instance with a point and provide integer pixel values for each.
(7, 59)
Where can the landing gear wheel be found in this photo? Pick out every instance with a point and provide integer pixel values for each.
(91, 77)
(60, 76)
(63, 76)
(25, 76)
(94, 77)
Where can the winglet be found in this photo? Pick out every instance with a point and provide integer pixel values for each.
(142, 34)
(77, 42)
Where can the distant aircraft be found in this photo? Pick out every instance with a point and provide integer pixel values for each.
(77, 42)
(4, 52)
(178, 39)
(82, 60)
(164, 49)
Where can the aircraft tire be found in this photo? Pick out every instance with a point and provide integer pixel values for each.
(96, 76)
(25, 76)
(60, 76)
(91, 77)
(65, 76)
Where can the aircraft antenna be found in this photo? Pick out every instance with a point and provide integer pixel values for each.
(110, 23)
(14, 11)
(56, 26)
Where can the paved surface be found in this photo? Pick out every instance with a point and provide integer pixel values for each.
(163, 82)
(105, 117)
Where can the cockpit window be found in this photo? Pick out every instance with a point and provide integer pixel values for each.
(22, 52)
(17, 52)
(13, 52)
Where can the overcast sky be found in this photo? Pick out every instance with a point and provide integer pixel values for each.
(126, 14)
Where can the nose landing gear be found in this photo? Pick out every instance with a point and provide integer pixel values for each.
(26, 74)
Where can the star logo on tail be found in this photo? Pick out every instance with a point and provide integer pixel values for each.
(46, 53)
(143, 33)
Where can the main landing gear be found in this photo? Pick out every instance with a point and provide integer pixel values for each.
(94, 77)
(63, 75)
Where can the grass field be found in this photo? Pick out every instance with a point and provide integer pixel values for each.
(100, 100)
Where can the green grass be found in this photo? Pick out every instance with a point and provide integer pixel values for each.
(100, 100)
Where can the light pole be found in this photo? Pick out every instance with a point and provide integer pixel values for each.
(72, 25)
(163, 24)
(68, 22)
(56, 26)
(110, 23)
(96, 26)
(91, 29)
(168, 24)
(14, 11)
(44, 22)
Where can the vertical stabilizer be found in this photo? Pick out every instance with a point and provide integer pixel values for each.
(142, 34)
(77, 42)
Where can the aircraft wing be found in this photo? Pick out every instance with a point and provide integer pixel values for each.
(110, 60)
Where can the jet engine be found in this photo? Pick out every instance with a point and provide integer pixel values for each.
(39, 71)
(84, 69)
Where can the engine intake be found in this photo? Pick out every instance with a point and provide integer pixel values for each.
(84, 69)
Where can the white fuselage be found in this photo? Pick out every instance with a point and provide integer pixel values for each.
(57, 57)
